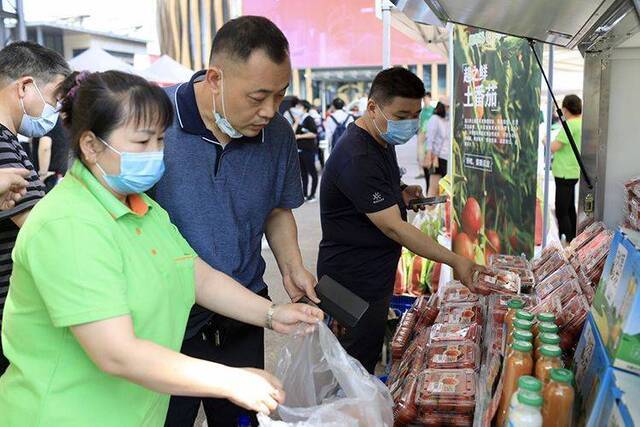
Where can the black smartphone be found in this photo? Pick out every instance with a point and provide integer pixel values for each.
(427, 201)
(339, 302)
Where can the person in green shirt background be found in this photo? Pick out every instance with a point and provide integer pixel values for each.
(103, 283)
(425, 115)
(566, 171)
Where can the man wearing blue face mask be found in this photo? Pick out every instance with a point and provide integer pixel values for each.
(363, 210)
(29, 76)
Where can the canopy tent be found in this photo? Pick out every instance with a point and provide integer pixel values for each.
(96, 59)
(165, 71)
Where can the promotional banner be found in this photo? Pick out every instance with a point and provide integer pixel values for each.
(496, 116)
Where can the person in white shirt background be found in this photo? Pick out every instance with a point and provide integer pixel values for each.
(438, 143)
(339, 116)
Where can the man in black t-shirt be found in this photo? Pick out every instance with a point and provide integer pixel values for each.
(51, 155)
(363, 209)
(304, 126)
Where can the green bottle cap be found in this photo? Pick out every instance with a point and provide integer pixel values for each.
(523, 346)
(549, 338)
(529, 383)
(530, 398)
(522, 335)
(515, 303)
(547, 317)
(548, 327)
(522, 324)
(524, 315)
(550, 351)
(562, 375)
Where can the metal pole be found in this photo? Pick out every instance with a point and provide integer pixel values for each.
(22, 28)
(547, 152)
(386, 34)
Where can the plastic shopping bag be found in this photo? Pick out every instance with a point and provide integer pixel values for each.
(325, 387)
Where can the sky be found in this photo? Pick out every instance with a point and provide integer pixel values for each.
(118, 16)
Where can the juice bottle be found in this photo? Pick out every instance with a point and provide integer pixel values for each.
(546, 338)
(545, 328)
(557, 410)
(550, 358)
(512, 306)
(524, 325)
(543, 318)
(526, 382)
(518, 363)
(527, 412)
(522, 335)
(524, 315)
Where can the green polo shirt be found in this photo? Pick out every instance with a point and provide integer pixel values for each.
(81, 257)
(565, 164)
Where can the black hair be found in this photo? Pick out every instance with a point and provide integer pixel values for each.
(22, 59)
(427, 93)
(393, 82)
(240, 37)
(102, 102)
(440, 110)
(306, 105)
(573, 104)
(338, 103)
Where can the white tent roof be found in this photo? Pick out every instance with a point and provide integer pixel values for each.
(96, 59)
(166, 70)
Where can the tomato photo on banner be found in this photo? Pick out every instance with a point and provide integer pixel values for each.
(496, 115)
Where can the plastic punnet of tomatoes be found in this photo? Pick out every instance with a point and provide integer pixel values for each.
(595, 251)
(547, 253)
(405, 410)
(461, 312)
(574, 311)
(459, 294)
(493, 280)
(428, 311)
(501, 261)
(553, 264)
(440, 419)
(586, 236)
(527, 279)
(403, 334)
(453, 355)
(551, 304)
(567, 291)
(447, 390)
(561, 276)
(455, 332)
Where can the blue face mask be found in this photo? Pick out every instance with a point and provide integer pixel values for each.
(221, 121)
(36, 127)
(398, 131)
(138, 171)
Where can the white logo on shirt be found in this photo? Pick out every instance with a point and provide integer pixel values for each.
(377, 198)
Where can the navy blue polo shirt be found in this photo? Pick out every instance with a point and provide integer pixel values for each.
(360, 177)
(220, 198)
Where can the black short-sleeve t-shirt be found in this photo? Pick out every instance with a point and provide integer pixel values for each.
(307, 125)
(60, 150)
(360, 177)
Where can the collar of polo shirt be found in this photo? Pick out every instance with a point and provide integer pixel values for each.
(189, 117)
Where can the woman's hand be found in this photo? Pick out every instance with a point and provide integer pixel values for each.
(287, 318)
(256, 390)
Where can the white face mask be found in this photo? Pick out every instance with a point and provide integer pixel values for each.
(221, 120)
(35, 127)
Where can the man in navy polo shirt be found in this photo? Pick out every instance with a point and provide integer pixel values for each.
(363, 209)
(232, 175)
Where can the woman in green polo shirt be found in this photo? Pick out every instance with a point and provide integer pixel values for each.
(103, 282)
(565, 168)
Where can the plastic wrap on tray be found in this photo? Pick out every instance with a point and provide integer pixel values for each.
(586, 236)
(527, 279)
(493, 280)
(546, 254)
(501, 261)
(412, 360)
(444, 419)
(405, 410)
(575, 312)
(592, 253)
(455, 332)
(454, 355)
(555, 262)
(459, 294)
(550, 305)
(567, 291)
(447, 390)
(461, 312)
(428, 311)
(403, 334)
(559, 277)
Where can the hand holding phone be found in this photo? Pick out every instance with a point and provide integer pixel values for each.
(426, 201)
